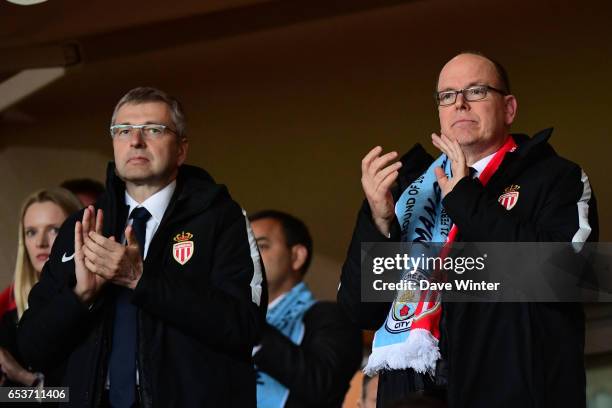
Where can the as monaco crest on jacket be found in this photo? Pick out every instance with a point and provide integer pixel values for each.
(510, 197)
(182, 251)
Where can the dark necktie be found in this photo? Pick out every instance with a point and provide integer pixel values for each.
(473, 172)
(122, 365)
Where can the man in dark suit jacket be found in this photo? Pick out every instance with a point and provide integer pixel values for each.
(309, 351)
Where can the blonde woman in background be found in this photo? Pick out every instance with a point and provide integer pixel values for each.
(41, 217)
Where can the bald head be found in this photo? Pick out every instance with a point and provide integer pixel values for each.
(502, 81)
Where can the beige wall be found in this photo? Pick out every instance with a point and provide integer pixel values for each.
(284, 116)
(26, 169)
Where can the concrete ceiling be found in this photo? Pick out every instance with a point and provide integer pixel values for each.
(72, 31)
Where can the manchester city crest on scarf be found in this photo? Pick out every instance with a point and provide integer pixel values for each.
(182, 251)
(404, 307)
(401, 316)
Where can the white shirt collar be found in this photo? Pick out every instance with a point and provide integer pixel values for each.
(277, 300)
(480, 165)
(156, 204)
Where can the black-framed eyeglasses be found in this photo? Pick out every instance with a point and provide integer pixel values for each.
(471, 94)
(150, 130)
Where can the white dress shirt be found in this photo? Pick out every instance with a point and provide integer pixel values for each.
(156, 205)
(481, 164)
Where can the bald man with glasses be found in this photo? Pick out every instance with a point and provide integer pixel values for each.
(487, 186)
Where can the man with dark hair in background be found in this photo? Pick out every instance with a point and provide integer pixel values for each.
(171, 318)
(488, 186)
(88, 191)
(308, 351)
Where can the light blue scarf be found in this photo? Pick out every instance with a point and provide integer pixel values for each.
(422, 219)
(286, 316)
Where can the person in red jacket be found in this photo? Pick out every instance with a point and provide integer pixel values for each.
(7, 300)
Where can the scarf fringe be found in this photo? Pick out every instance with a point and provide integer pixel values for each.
(420, 352)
